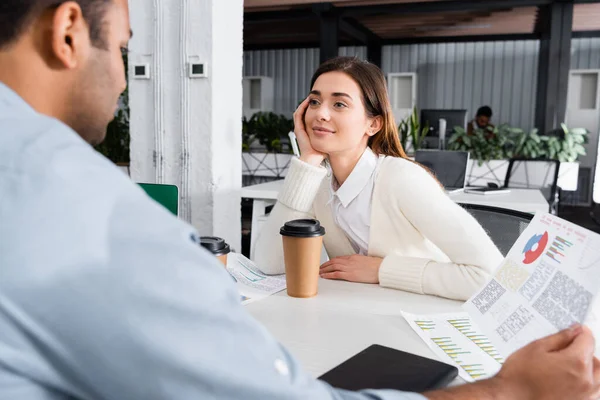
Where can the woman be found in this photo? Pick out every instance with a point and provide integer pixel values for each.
(387, 219)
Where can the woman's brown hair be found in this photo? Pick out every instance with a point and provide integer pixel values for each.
(371, 81)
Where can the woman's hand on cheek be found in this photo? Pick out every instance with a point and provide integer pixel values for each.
(355, 268)
(307, 153)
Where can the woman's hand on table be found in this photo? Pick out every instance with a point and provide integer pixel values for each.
(355, 268)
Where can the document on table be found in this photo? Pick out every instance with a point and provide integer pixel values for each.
(252, 284)
(548, 281)
(457, 340)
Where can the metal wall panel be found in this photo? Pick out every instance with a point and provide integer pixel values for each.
(469, 75)
(353, 51)
(290, 69)
(502, 75)
(585, 53)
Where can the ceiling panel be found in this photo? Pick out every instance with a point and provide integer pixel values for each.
(522, 20)
(586, 17)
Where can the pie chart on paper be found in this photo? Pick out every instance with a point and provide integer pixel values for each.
(535, 248)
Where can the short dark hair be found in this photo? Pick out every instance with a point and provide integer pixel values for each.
(484, 111)
(16, 15)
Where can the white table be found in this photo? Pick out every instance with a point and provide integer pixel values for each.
(265, 191)
(262, 195)
(345, 318)
(525, 200)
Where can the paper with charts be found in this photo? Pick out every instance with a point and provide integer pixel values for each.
(458, 341)
(547, 282)
(252, 284)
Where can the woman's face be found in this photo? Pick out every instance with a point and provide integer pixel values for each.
(336, 120)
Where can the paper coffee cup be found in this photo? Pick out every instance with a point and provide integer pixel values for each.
(216, 246)
(302, 243)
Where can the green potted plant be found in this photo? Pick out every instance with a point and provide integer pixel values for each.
(411, 133)
(247, 138)
(564, 144)
(266, 147)
(484, 144)
(491, 148)
(527, 145)
(271, 131)
(115, 146)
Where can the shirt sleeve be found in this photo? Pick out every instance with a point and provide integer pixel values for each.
(132, 308)
(295, 202)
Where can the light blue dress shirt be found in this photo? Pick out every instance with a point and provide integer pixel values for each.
(105, 296)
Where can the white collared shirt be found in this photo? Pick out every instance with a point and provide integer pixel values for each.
(351, 202)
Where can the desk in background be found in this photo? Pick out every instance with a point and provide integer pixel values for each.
(525, 200)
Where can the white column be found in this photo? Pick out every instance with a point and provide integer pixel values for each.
(187, 131)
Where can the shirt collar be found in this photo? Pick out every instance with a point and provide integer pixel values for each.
(357, 180)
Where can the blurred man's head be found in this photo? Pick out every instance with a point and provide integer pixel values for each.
(65, 58)
(484, 114)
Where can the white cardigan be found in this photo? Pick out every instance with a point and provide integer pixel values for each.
(429, 244)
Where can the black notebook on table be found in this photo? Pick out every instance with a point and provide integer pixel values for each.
(380, 367)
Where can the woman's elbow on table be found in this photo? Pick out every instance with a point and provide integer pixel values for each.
(454, 281)
(268, 254)
(478, 277)
(473, 279)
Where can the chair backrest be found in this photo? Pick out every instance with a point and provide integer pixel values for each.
(504, 226)
(449, 167)
(534, 174)
(167, 195)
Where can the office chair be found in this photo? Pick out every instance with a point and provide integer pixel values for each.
(594, 214)
(504, 226)
(166, 195)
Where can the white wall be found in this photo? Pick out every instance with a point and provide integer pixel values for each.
(226, 144)
(186, 131)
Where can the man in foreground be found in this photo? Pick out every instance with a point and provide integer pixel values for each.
(102, 293)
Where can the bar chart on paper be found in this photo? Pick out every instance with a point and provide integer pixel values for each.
(455, 339)
(464, 326)
(556, 251)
